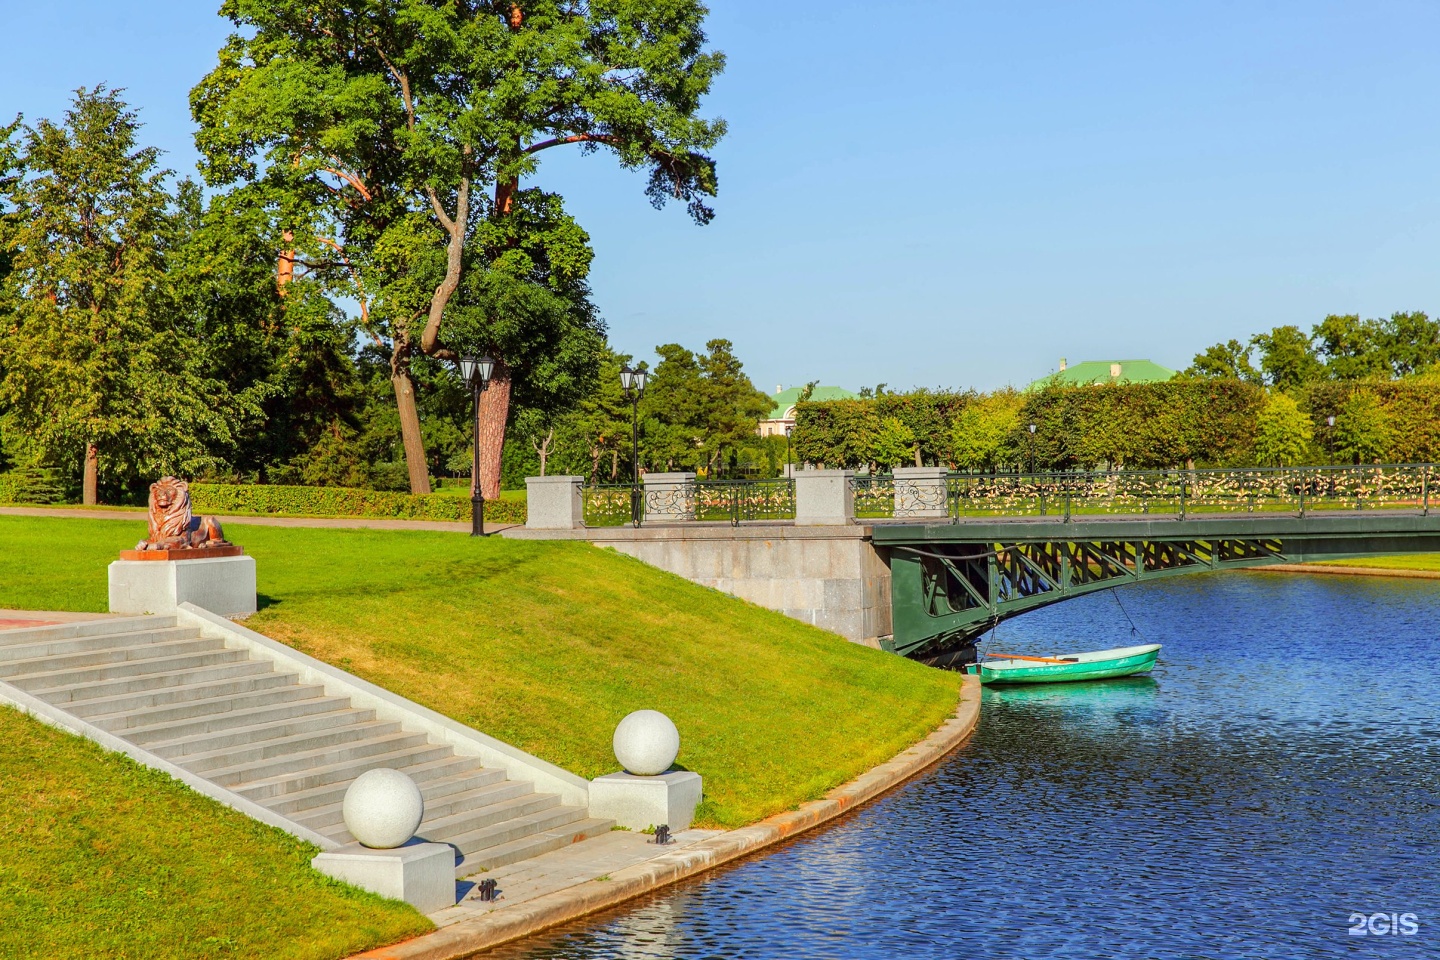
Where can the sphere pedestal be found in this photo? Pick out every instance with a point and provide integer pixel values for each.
(643, 802)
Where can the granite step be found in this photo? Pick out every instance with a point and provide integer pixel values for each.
(556, 838)
(278, 740)
(298, 764)
(84, 628)
(87, 644)
(436, 779)
(129, 669)
(466, 810)
(63, 694)
(107, 656)
(236, 721)
(196, 700)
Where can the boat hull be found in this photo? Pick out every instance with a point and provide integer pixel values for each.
(1126, 662)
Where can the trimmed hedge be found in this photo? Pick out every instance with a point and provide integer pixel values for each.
(343, 502)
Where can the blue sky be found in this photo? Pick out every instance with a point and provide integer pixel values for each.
(961, 193)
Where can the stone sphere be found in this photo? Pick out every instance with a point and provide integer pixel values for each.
(383, 808)
(646, 743)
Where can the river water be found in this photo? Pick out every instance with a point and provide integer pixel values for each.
(1272, 785)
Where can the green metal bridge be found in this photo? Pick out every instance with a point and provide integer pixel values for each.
(1000, 546)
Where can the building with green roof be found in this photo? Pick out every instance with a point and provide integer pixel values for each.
(782, 415)
(1095, 372)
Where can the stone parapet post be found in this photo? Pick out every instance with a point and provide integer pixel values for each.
(554, 503)
(824, 497)
(920, 492)
(669, 497)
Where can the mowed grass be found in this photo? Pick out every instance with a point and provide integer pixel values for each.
(101, 857)
(547, 645)
(1417, 561)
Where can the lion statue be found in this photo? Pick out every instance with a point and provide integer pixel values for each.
(172, 525)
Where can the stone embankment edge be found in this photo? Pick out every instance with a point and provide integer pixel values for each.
(1348, 571)
(469, 937)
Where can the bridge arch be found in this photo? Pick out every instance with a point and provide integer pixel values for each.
(952, 582)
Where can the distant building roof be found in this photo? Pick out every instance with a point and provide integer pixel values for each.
(1091, 372)
(786, 399)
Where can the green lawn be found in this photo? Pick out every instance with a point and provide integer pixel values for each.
(101, 857)
(547, 645)
(1417, 561)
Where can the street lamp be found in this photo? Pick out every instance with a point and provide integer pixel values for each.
(476, 373)
(1032, 448)
(789, 429)
(632, 381)
(1330, 437)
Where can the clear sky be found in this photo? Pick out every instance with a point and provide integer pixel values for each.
(956, 193)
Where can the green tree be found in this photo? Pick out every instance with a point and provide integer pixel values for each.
(1287, 357)
(732, 406)
(893, 444)
(1283, 432)
(1362, 433)
(1351, 347)
(984, 432)
(97, 368)
(1409, 343)
(1229, 360)
(412, 124)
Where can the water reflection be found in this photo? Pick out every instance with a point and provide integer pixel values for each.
(1279, 771)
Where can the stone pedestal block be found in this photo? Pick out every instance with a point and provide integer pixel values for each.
(643, 802)
(824, 497)
(222, 585)
(920, 492)
(421, 874)
(669, 497)
(554, 503)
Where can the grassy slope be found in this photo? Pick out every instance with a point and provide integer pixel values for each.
(547, 645)
(100, 857)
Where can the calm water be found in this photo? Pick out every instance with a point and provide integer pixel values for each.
(1279, 772)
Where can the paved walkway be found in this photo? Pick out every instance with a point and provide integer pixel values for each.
(343, 523)
(592, 861)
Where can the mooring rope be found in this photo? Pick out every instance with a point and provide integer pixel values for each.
(1134, 630)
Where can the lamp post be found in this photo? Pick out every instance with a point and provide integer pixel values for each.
(789, 429)
(476, 374)
(632, 381)
(1032, 447)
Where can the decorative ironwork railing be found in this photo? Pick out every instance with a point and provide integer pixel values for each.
(713, 501)
(1301, 491)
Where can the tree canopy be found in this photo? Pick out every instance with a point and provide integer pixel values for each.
(393, 136)
(98, 360)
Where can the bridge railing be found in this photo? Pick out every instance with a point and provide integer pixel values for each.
(1182, 494)
(688, 501)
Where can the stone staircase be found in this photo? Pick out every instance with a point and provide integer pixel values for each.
(260, 733)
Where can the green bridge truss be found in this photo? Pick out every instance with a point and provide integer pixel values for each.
(952, 580)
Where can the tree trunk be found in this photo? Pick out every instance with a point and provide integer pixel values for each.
(91, 493)
(494, 415)
(415, 464)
